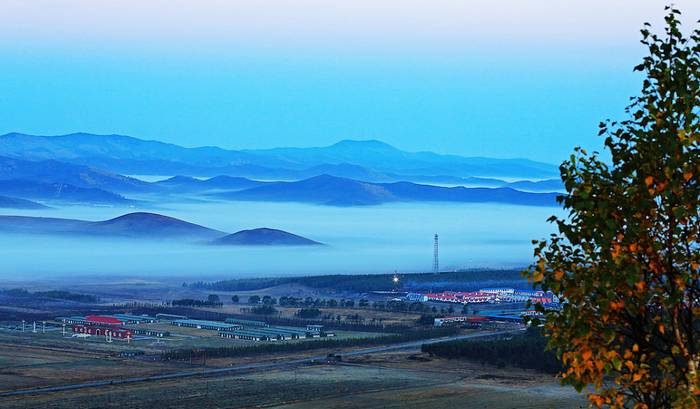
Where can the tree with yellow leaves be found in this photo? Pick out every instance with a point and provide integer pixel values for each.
(626, 260)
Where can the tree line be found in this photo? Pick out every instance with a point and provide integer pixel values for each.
(467, 280)
(212, 300)
(53, 294)
(523, 351)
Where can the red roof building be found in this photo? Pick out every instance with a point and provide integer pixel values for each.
(98, 331)
(98, 319)
(460, 297)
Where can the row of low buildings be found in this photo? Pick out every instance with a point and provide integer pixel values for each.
(205, 324)
(249, 330)
(274, 333)
(479, 321)
(124, 326)
(115, 326)
(113, 319)
(487, 295)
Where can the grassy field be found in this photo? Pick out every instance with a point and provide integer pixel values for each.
(46, 359)
(399, 380)
(24, 367)
(386, 317)
(394, 380)
(181, 338)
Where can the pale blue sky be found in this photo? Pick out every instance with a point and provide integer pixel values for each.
(502, 78)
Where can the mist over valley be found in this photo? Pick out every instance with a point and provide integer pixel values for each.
(70, 209)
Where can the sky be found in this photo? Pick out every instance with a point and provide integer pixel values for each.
(499, 78)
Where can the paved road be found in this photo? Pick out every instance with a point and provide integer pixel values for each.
(248, 367)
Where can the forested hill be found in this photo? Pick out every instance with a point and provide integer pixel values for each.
(457, 281)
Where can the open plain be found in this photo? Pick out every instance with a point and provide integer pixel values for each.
(405, 379)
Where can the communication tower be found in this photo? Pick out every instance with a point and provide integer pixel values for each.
(436, 263)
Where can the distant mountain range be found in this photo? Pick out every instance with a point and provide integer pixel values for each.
(70, 169)
(334, 191)
(186, 184)
(148, 226)
(367, 160)
(60, 192)
(51, 180)
(15, 203)
(53, 171)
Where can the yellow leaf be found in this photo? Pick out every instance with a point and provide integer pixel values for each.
(679, 283)
(662, 328)
(617, 305)
(687, 176)
(558, 274)
(649, 180)
(615, 250)
(597, 400)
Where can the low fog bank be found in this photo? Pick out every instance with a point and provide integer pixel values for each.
(376, 239)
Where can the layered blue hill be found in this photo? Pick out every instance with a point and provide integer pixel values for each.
(331, 190)
(184, 184)
(128, 155)
(53, 171)
(152, 226)
(323, 189)
(379, 156)
(42, 225)
(16, 203)
(540, 185)
(264, 237)
(135, 225)
(59, 192)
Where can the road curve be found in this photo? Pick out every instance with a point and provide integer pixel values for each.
(248, 367)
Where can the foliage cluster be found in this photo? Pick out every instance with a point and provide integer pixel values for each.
(626, 261)
(189, 302)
